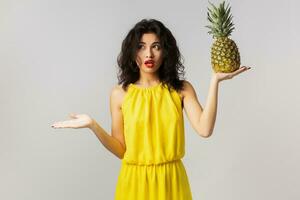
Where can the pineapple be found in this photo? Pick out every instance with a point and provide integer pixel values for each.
(225, 56)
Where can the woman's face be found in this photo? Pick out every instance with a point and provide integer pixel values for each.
(149, 53)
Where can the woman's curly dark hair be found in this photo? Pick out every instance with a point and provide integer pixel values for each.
(171, 72)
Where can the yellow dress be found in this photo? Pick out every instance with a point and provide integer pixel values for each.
(152, 168)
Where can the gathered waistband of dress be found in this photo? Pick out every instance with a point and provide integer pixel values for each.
(151, 164)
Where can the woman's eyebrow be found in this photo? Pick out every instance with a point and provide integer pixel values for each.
(152, 43)
(156, 43)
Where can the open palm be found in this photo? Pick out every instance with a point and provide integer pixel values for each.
(76, 121)
(220, 76)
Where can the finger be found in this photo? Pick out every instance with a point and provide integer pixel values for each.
(73, 115)
(240, 70)
(62, 124)
(245, 67)
(57, 125)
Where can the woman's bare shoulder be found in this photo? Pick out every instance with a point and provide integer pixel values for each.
(117, 94)
(187, 87)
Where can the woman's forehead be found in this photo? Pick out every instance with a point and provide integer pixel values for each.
(149, 38)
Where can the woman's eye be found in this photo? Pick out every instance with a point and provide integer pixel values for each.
(157, 46)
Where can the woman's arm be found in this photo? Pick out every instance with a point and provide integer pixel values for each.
(114, 142)
(110, 142)
(208, 117)
(202, 120)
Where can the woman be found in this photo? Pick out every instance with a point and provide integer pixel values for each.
(147, 118)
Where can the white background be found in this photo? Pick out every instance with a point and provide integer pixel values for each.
(59, 56)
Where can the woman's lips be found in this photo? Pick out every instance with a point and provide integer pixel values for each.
(149, 63)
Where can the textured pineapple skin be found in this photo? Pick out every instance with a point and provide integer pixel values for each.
(225, 56)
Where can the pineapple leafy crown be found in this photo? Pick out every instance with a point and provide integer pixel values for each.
(220, 20)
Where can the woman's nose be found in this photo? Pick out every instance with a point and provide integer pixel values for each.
(149, 53)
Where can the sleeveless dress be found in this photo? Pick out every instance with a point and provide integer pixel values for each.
(151, 168)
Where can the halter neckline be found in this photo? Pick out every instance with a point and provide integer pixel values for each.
(146, 88)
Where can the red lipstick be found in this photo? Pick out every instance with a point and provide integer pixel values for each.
(149, 63)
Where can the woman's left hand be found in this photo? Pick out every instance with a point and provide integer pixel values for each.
(220, 76)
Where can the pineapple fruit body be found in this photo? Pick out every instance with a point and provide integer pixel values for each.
(225, 55)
